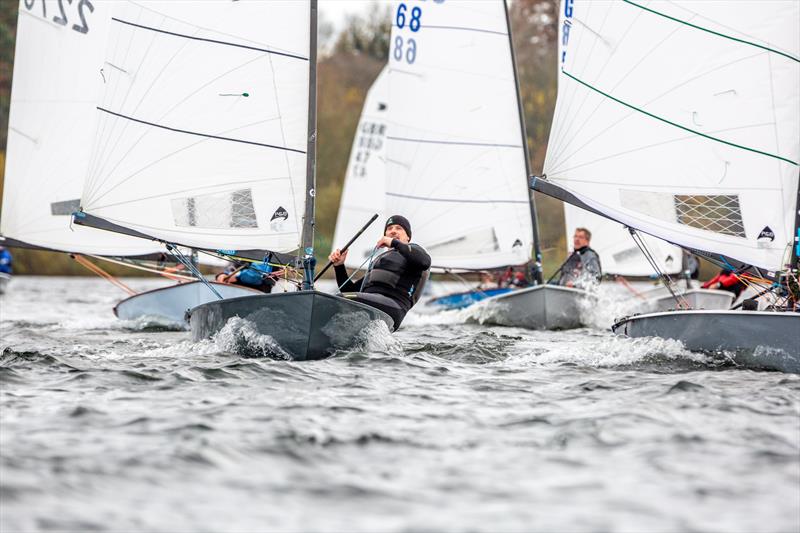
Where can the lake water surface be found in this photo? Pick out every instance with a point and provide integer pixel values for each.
(125, 426)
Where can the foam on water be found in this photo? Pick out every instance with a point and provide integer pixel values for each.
(604, 351)
(241, 337)
(377, 337)
(608, 305)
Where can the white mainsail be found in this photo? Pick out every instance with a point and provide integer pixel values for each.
(58, 61)
(364, 188)
(455, 154)
(203, 123)
(682, 119)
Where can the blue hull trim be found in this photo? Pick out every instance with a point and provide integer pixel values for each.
(461, 300)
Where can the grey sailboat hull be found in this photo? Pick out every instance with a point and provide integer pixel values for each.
(696, 298)
(303, 325)
(549, 307)
(4, 281)
(755, 339)
(171, 303)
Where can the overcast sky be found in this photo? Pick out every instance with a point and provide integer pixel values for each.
(335, 11)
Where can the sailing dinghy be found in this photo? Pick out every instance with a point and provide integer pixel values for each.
(682, 120)
(453, 158)
(206, 139)
(51, 132)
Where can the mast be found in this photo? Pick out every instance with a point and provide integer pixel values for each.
(537, 253)
(795, 264)
(307, 238)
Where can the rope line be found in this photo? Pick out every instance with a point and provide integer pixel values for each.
(102, 273)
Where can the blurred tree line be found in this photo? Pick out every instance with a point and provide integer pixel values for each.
(348, 64)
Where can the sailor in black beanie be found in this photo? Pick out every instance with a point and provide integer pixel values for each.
(394, 282)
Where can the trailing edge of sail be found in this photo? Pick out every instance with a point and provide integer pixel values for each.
(364, 183)
(681, 119)
(57, 63)
(203, 123)
(454, 148)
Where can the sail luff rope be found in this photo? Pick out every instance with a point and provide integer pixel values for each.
(718, 34)
(675, 124)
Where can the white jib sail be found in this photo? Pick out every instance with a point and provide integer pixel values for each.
(364, 189)
(681, 119)
(202, 127)
(455, 153)
(58, 60)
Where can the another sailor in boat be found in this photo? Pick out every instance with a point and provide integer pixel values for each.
(487, 281)
(5, 260)
(582, 269)
(691, 266)
(726, 280)
(259, 276)
(395, 279)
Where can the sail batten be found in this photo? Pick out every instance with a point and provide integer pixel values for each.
(695, 132)
(719, 34)
(213, 41)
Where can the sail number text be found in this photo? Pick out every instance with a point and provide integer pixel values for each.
(410, 20)
(406, 48)
(60, 13)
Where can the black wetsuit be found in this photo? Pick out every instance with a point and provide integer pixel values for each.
(582, 268)
(392, 283)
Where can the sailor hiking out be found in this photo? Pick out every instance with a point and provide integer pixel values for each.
(582, 269)
(395, 279)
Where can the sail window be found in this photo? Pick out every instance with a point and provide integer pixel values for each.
(67, 207)
(216, 211)
(718, 213)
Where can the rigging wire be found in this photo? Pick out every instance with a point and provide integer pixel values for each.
(359, 268)
(176, 253)
(668, 283)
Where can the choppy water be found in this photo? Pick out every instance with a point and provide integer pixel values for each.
(114, 426)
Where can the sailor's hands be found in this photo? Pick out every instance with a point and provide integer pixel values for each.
(337, 257)
(384, 241)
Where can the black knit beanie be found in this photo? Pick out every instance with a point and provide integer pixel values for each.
(400, 220)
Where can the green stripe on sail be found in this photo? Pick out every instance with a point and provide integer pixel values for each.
(784, 54)
(677, 125)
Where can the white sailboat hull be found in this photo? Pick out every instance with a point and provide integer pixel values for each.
(696, 298)
(755, 339)
(4, 281)
(550, 307)
(171, 303)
